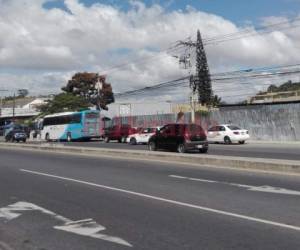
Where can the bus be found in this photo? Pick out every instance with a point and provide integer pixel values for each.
(70, 126)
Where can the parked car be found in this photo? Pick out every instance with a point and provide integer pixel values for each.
(179, 137)
(2, 128)
(227, 134)
(141, 137)
(118, 132)
(16, 135)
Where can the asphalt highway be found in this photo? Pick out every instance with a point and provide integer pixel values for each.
(56, 201)
(253, 150)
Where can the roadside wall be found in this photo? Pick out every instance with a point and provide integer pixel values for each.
(278, 122)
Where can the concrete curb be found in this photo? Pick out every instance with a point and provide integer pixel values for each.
(273, 165)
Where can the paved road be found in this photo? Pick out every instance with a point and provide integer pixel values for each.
(285, 151)
(253, 150)
(141, 205)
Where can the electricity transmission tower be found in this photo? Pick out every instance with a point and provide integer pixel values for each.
(200, 82)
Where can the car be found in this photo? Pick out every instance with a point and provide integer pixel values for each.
(2, 129)
(179, 137)
(228, 134)
(141, 137)
(16, 135)
(118, 132)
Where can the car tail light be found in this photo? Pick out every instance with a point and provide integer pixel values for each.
(187, 135)
(236, 133)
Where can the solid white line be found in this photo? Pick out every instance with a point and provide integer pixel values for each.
(265, 188)
(244, 217)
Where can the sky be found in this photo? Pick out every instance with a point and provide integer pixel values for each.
(44, 42)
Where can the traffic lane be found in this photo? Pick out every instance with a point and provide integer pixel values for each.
(281, 151)
(144, 223)
(217, 189)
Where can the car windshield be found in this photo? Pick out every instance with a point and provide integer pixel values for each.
(231, 127)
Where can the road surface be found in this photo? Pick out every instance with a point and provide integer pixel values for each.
(51, 201)
(252, 150)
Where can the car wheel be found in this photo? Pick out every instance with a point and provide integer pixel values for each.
(24, 140)
(69, 137)
(106, 139)
(152, 146)
(181, 148)
(133, 141)
(227, 140)
(47, 138)
(120, 140)
(203, 150)
(241, 142)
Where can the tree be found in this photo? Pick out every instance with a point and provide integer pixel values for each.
(201, 83)
(91, 87)
(64, 102)
(216, 101)
(23, 93)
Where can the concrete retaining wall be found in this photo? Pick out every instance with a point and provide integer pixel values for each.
(278, 122)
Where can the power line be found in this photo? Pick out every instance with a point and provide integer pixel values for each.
(184, 81)
(207, 41)
(255, 29)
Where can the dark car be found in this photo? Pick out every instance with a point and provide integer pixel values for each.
(16, 135)
(2, 128)
(179, 137)
(118, 132)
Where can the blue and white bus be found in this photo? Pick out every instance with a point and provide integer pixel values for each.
(70, 126)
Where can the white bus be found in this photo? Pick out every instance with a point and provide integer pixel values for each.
(70, 126)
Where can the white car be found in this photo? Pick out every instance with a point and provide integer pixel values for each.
(228, 134)
(141, 137)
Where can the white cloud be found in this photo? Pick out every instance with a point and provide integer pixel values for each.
(39, 47)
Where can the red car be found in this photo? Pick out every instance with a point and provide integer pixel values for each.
(119, 133)
(179, 137)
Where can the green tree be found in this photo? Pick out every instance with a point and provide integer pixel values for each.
(215, 101)
(201, 83)
(23, 93)
(92, 87)
(64, 102)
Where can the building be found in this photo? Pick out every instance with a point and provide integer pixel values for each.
(21, 109)
(275, 97)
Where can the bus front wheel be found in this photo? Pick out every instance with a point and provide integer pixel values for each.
(47, 137)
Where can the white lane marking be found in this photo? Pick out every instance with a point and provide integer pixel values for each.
(86, 227)
(266, 189)
(192, 179)
(207, 209)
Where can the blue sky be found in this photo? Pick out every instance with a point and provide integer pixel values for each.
(238, 11)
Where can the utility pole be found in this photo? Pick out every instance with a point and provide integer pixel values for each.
(14, 106)
(200, 83)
